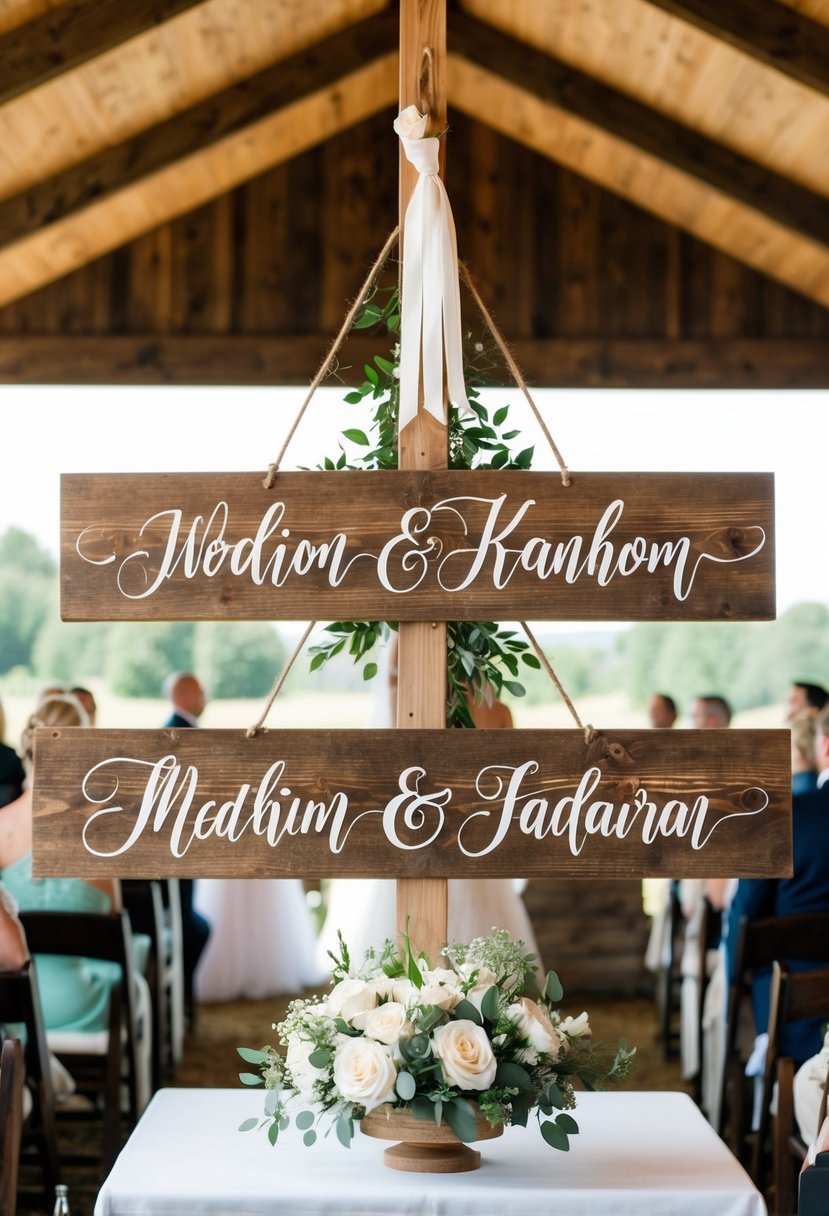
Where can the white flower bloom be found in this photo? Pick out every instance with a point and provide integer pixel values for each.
(388, 1023)
(364, 1072)
(442, 995)
(484, 980)
(576, 1028)
(383, 986)
(404, 991)
(440, 975)
(303, 1074)
(411, 124)
(465, 1054)
(534, 1024)
(349, 998)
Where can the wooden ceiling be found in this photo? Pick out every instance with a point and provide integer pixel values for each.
(116, 118)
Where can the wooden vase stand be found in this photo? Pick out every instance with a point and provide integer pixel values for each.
(424, 1147)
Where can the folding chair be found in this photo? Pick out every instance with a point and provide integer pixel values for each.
(11, 1122)
(20, 1003)
(759, 942)
(794, 995)
(97, 1060)
(144, 903)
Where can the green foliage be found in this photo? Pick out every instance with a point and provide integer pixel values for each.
(25, 601)
(482, 659)
(141, 656)
(237, 658)
(20, 550)
(70, 652)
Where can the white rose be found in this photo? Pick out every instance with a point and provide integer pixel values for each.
(534, 1024)
(439, 994)
(404, 991)
(410, 123)
(388, 1023)
(465, 1054)
(382, 986)
(364, 1072)
(484, 980)
(303, 1073)
(576, 1028)
(349, 998)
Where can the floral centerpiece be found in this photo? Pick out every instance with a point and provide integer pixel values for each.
(436, 1041)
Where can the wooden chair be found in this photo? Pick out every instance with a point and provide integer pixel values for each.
(144, 903)
(97, 1061)
(794, 995)
(20, 1003)
(759, 942)
(11, 1122)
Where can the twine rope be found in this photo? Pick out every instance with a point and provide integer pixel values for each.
(259, 726)
(517, 376)
(589, 732)
(328, 361)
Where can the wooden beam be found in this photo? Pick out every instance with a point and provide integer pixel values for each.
(775, 35)
(189, 160)
(69, 35)
(221, 117)
(292, 359)
(665, 168)
(422, 904)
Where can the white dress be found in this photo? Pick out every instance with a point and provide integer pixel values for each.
(365, 910)
(261, 942)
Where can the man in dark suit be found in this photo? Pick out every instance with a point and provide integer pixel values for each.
(188, 701)
(806, 891)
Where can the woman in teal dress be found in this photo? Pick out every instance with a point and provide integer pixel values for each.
(74, 992)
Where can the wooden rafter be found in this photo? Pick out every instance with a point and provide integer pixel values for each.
(201, 154)
(292, 359)
(627, 148)
(764, 29)
(69, 35)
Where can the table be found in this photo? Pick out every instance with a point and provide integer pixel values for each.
(638, 1154)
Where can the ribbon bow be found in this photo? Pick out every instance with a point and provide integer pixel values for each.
(430, 323)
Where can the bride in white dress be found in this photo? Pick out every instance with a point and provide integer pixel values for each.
(261, 942)
(364, 910)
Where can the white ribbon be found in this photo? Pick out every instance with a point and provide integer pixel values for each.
(430, 322)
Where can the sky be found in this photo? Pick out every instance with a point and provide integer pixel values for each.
(49, 430)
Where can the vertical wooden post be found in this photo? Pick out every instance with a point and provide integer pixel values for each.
(421, 689)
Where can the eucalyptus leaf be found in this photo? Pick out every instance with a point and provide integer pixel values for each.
(422, 1108)
(248, 1125)
(567, 1124)
(513, 1076)
(406, 1086)
(553, 990)
(489, 1004)
(304, 1120)
(465, 1009)
(252, 1056)
(271, 1101)
(319, 1058)
(273, 1133)
(554, 1095)
(521, 1107)
(250, 1078)
(555, 1137)
(461, 1118)
(309, 1138)
(345, 1130)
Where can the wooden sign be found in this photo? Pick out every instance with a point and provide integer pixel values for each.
(409, 546)
(412, 803)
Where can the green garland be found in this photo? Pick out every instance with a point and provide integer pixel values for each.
(480, 655)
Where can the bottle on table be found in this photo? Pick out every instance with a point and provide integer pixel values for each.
(61, 1207)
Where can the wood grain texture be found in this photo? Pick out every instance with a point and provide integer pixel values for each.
(491, 535)
(247, 359)
(422, 903)
(469, 804)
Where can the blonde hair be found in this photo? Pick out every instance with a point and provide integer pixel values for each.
(64, 710)
(804, 735)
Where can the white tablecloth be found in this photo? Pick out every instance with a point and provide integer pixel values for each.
(638, 1154)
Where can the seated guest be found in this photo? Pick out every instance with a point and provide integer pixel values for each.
(662, 711)
(711, 712)
(805, 699)
(806, 891)
(804, 753)
(11, 768)
(13, 949)
(87, 700)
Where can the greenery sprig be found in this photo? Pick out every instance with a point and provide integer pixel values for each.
(482, 658)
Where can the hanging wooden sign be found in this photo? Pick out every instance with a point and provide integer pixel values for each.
(409, 546)
(412, 803)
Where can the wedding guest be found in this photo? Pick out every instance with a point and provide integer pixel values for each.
(804, 753)
(188, 699)
(11, 768)
(806, 891)
(662, 712)
(13, 949)
(711, 712)
(809, 1081)
(805, 698)
(87, 700)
